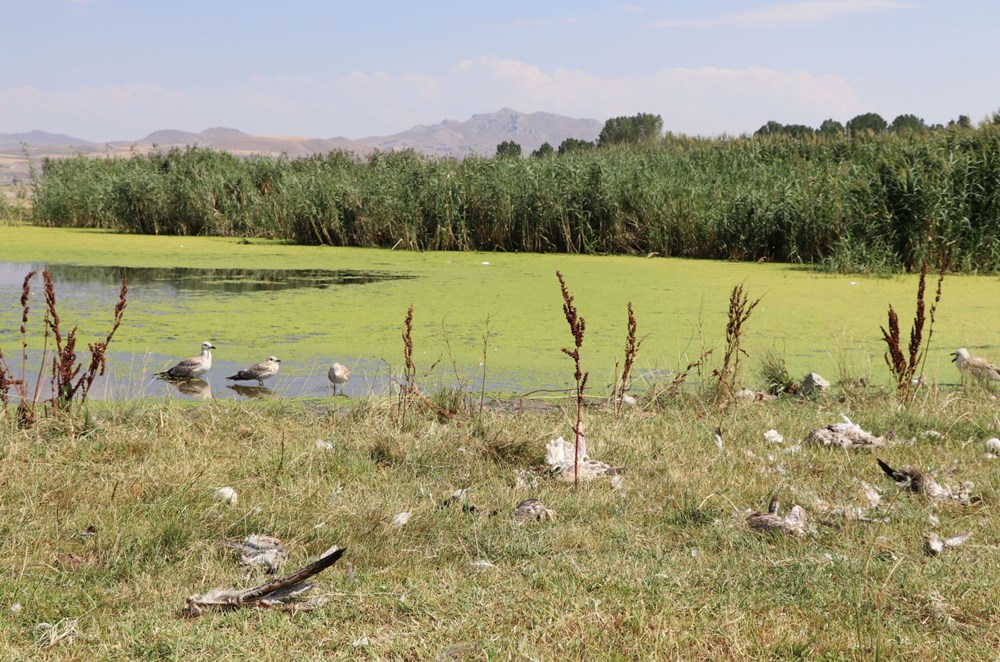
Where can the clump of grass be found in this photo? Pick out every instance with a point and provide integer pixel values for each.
(903, 366)
(774, 373)
(740, 308)
(673, 389)
(577, 327)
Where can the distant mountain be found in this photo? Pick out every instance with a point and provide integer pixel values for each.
(172, 137)
(478, 135)
(482, 133)
(41, 138)
(221, 132)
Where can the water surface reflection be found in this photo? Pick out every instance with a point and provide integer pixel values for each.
(177, 279)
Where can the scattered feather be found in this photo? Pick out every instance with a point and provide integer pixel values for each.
(400, 520)
(872, 494)
(256, 550)
(718, 438)
(482, 564)
(532, 509)
(48, 635)
(524, 479)
(323, 445)
(935, 545)
(774, 436)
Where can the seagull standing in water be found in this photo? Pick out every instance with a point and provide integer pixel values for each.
(974, 366)
(338, 374)
(195, 366)
(260, 371)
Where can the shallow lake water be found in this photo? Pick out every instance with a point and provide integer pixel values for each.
(313, 305)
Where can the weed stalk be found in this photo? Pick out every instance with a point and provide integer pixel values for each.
(577, 327)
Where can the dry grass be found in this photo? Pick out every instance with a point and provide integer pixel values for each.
(663, 567)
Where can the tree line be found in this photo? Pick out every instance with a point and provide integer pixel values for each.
(646, 127)
(864, 201)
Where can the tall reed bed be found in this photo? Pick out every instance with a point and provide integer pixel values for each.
(878, 203)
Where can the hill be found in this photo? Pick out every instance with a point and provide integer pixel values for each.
(479, 134)
(482, 133)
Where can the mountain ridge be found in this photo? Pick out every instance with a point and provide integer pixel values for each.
(480, 134)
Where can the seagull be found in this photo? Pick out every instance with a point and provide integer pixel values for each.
(192, 367)
(338, 374)
(260, 371)
(974, 366)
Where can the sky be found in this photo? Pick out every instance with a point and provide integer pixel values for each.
(105, 70)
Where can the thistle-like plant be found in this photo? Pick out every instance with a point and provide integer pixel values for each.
(577, 327)
(632, 343)
(740, 308)
(69, 380)
(904, 365)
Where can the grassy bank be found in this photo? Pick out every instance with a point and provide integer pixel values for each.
(875, 203)
(664, 566)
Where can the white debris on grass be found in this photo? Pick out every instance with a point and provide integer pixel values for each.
(48, 635)
(226, 495)
(774, 436)
(400, 520)
(262, 551)
(323, 445)
(482, 564)
(847, 435)
(524, 479)
(567, 461)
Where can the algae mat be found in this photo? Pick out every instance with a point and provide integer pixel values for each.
(826, 323)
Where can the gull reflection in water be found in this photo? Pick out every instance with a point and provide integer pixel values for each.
(195, 388)
(251, 391)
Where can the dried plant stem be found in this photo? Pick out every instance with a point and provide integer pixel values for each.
(64, 367)
(577, 326)
(740, 308)
(632, 344)
(904, 366)
(482, 388)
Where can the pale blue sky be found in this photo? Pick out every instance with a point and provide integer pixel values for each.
(118, 69)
